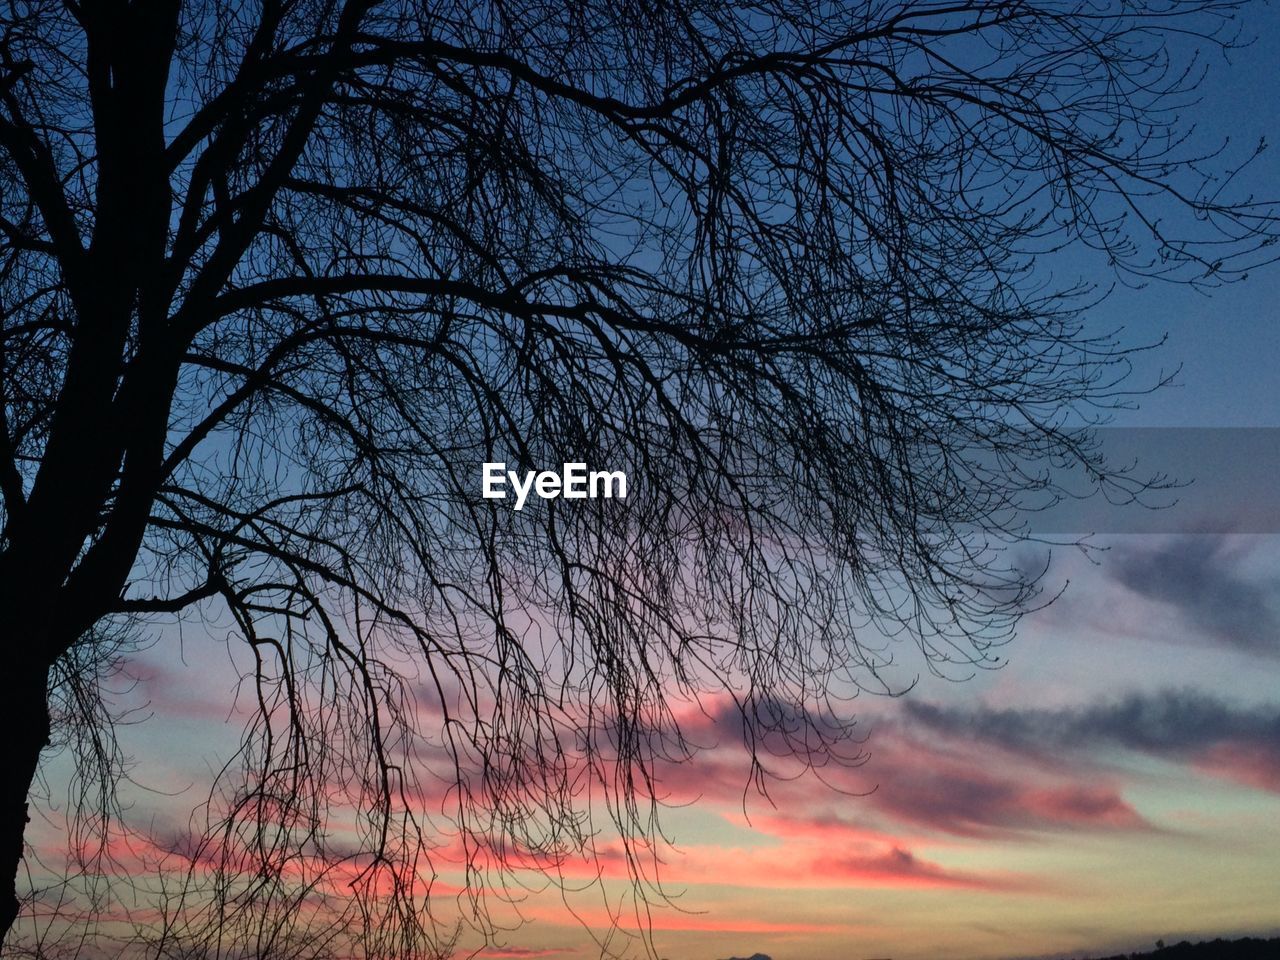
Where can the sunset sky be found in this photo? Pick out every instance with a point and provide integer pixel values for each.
(1118, 781)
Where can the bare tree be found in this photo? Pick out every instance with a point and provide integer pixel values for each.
(278, 277)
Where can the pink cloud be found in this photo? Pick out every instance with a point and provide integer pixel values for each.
(1252, 764)
(970, 793)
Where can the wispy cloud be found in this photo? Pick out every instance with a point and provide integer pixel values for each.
(1203, 578)
(1240, 742)
(841, 863)
(968, 793)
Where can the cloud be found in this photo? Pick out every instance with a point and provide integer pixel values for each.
(901, 868)
(1253, 764)
(1201, 577)
(818, 855)
(972, 794)
(841, 864)
(1239, 742)
(919, 774)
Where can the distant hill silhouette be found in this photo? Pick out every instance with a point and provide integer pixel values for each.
(1249, 948)
(754, 956)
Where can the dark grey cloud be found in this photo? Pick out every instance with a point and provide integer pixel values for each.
(1172, 723)
(1200, 577)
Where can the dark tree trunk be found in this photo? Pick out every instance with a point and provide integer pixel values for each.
(24, 727)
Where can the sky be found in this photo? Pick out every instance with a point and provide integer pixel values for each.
(1115, 783)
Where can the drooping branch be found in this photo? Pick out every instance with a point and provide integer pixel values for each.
(784, 266)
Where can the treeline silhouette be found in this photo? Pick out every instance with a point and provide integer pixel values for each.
(1247, 948)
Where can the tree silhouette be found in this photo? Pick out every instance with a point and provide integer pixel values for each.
(278, 278)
